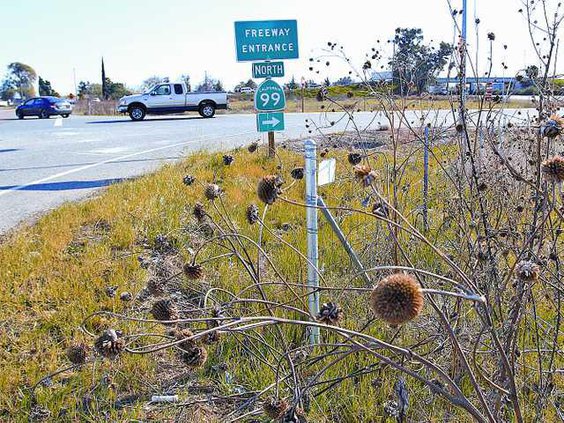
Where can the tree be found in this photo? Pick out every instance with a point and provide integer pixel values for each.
(151, 82)
(218, 86)
(251, 84)
(22, 77)
(186, 79)
(46, 89)
(104, 82)
(414, 64)
(7, 90)
(327, 82)
(292, 85)
(345, 80)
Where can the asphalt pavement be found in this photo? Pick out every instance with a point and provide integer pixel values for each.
(46, 162)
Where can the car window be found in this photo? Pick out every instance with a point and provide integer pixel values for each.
(29, 102)
(177, 89)
(163, 90)
(38, 102)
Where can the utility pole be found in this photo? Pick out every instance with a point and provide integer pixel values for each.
(74, 78)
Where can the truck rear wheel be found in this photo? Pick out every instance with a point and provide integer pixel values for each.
(137, 113)
(207, 110)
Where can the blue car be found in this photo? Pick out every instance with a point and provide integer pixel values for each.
(44, 107)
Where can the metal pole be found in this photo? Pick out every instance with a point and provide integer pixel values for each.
(271, 146)
(343, 239)
(310, 154)
(425, 177)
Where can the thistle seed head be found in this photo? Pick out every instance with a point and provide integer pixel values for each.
(164, 309)
(195, 356)
(330, 314)
(364, 174)
(275, 408)
(78, 353)
(213, 191)
(227, 160)
(252, 214)
(297, 173)
(110, 344)
(268, 188)
(193, 271)
(397, 299)
(188, 180)
(199, 212)
(527, 271)
(252, 147)
(354, 158)
(553, 169)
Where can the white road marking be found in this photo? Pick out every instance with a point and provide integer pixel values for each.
(115, 159)
(58, 122)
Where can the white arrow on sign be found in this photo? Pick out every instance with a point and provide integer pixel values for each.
(272, 122)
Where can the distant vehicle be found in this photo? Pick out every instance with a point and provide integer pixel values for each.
(170, 98)
(246, 90)
(44, 107)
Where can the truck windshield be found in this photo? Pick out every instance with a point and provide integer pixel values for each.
(148, 90)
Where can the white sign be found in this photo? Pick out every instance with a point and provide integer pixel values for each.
(326, 173)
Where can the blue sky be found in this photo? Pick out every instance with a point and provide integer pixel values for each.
(143, 37)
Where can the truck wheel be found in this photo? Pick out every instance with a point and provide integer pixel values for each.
(207, 110)
(137, 113)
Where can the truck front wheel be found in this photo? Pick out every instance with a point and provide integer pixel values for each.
(137, 113)
(207, 110)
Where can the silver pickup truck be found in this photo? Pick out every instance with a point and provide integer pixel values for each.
(167, 98)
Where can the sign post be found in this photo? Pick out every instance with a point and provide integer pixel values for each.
(263, 42)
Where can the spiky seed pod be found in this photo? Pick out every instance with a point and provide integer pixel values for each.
(380, 209)
(227, 160)
(354, 158)
(330, 314)
(155, 286)
(275, 408)
(397, 299)
(364, 174)
(553, 169)
(214, 336)
(268, 188)
(110, 344)
(553, 126)
(297, 173)
(195, 356)
(294, 415)
(126, 296)
(491, 36)
(252, 214)
(212, 191)
(111, 291)
(78, 353)
(193, 271)
(199, 212)
(252, 147)
(185, 333)
(188, 180)
(527, 271)
(164, 309)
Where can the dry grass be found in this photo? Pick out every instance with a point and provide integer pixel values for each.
(57, 271)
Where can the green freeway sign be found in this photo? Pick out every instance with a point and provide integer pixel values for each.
(268, 70)
(267, 122)
(266, 40)
(269, 96)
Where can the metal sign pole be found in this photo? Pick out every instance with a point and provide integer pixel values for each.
(312, 245)
(271, 145)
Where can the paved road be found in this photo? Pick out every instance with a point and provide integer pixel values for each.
(44, 163)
